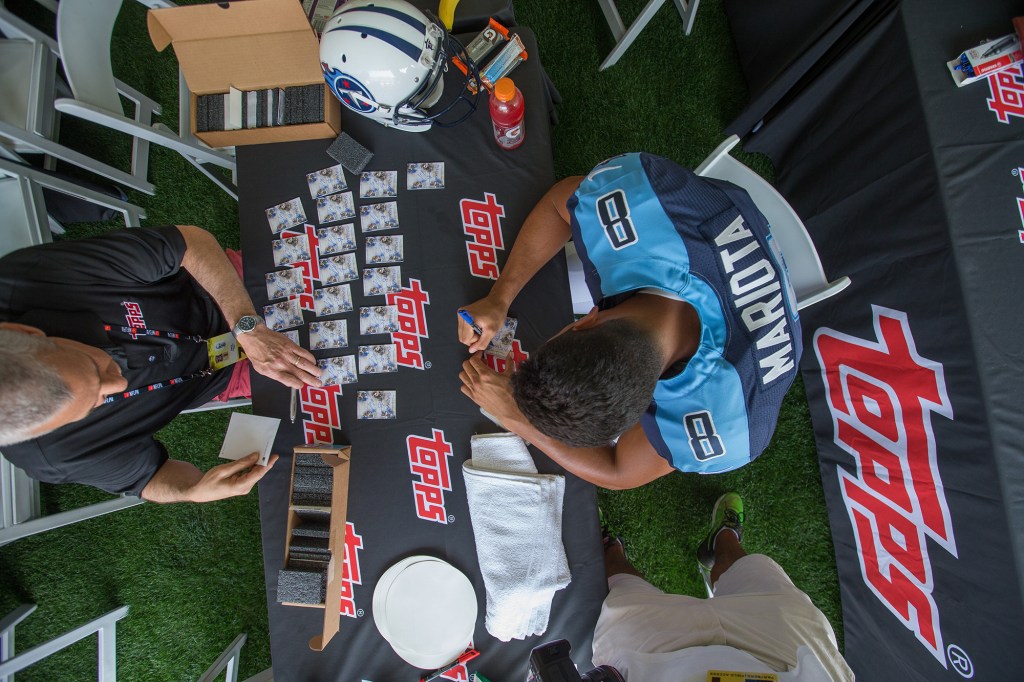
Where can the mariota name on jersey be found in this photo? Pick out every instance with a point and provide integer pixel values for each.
(757, 296)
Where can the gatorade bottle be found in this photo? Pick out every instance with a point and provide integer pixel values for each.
(507, 110)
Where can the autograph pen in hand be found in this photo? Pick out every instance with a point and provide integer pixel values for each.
(471, 322)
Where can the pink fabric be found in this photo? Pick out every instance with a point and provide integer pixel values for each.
(239, 385)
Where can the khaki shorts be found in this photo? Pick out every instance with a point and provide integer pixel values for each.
(756, 608)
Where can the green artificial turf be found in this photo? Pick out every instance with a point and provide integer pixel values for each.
(192, 574)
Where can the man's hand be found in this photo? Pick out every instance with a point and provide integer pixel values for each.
(274, 355)
(178, 481)
(491, 391)
(230, 479)
(489, 315)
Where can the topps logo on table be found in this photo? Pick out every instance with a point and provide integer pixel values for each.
(883, 396)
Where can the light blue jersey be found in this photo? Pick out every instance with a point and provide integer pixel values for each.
(643, 222)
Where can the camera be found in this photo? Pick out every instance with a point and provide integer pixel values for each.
(551, 663)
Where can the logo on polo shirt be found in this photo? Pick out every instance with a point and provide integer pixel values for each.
(896, 500)
(133, 317)
(428, 463)
(481, 222)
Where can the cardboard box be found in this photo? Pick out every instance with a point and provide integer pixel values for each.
(336, 457)
(251, 45)
(985, 59)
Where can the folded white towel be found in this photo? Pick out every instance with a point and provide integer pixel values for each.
(517, 524)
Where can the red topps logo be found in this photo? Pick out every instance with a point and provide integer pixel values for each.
(428, 462)
(481, 221)
(1007, 88)
(133, 316)
(458, 673)
(321, 404)
(310, 269)
(350, 574)
(412, 304)
(882, 396)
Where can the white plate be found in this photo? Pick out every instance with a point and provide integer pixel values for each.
(380, 592)
(426, 609)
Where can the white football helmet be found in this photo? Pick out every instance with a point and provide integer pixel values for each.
(385, 59)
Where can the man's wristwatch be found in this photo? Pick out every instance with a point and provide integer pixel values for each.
(246, 324)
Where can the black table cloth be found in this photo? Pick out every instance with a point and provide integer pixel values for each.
(912, 187)
(397, 508)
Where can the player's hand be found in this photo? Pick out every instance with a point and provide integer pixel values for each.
(490, 390)
(489, 315)
(274, 355)
(230, 479)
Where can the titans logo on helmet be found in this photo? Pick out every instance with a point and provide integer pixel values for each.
(351, 92)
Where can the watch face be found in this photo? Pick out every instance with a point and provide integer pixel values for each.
(246, 324)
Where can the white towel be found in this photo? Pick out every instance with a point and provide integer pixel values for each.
(517, 524)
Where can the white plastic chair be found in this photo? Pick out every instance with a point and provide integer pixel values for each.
(227, 663)
(804, 266)
(624, 37)
(28, 86)
(84, 29)
(105, 628)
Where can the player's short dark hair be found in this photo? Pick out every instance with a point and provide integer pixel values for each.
(587, 387)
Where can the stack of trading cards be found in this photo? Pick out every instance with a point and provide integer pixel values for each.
(381, 281)
(385, 249)
(340, 370)
(375, 405)
(283, 315)
(376, 217)
(328, 334)
(336, 239)
(378, 319)
(336, 269)
(426, 175)
(335, 208)
(326, 181)
(378, 359)
(284, 283)
(501, 344)
(290, 250)
(376, 184)
(287, 214)
(332, 300)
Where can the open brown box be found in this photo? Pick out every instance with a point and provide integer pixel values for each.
(250, 45)
(338, 458)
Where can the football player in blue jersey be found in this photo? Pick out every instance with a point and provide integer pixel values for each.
(694, 340)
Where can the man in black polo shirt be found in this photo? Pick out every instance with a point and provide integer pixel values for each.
(84, 323)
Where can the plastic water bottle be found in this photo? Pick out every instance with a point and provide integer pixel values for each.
(507, 110)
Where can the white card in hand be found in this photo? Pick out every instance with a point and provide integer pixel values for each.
(247, 434)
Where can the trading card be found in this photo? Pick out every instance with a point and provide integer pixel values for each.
(326, 181)
(335, 207)
(332, 300)
(501, 344)
(340, 370)
(376, 217)
(293, 336)
(383, 280)
(284, 283)
(375, 405)
(283, 315)
(426, 175)
(285, 215)
(290, 250)
(374, 184)
(328, 334)
(337, 269)
(386, 249)
(336, 239)
(378, 319)
(378, 359)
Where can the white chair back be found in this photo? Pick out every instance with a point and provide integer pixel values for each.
(804, 266)
(84, 29)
